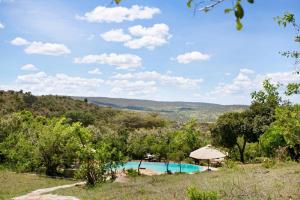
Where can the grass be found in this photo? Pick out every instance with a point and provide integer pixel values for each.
(15, 184)
(242, 182)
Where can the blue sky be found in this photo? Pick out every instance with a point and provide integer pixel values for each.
(148, 49)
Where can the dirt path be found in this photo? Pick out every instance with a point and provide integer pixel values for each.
(40, 194)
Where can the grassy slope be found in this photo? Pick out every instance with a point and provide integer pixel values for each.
(244, 182)
(205, 112)
(15, 184)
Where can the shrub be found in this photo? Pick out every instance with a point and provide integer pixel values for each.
(230, 164)
(252, 151)
(194, 194)
(132, 172)
(268, 163)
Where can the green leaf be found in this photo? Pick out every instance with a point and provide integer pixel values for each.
(239, 25)
(251, 1)
(228, 10)
(239, 12)
(118, 1)
(189, 3)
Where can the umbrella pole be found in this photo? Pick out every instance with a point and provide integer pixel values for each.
(208, 165)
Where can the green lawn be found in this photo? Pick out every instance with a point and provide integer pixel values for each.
(14, 184)
(244, 182)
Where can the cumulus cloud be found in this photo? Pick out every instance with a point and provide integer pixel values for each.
(52, 49)
(117, 35)
(121, 61)
(41, 83)
(18, 41)
(192, 56)
(1, 26)
(132, 88)
(140, 37)
(118, 14)
(29, 67)
(61, 84)
(164, 79)
(247, 81)
(95, 71)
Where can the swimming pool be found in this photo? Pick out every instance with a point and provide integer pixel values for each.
(161, 167)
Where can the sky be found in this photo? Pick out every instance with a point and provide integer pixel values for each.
(150, 49)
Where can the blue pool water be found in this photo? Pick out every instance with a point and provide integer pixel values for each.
(161, 167)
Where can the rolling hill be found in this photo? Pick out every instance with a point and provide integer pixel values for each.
(205, 112)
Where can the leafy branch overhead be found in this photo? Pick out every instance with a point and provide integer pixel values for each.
(237, 9)
(284, 21)
(210, 4)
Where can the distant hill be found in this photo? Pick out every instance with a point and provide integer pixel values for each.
(205, 112)
(56, 106)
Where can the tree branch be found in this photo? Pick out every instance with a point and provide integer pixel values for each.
(211, 6)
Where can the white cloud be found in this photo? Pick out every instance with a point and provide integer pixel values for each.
(115, 36)
(29, 67)
(192, 56)
(118, 14)
(18, 41)
(132, 88)
(165, 79)
(140, 37)
(95, 71)
(61, 84)
(150, 37)
(1, 26)
(247, 81)
(53, 49)
(121, 61)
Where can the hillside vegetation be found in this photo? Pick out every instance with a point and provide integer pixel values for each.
(179, 111)
(56, 106)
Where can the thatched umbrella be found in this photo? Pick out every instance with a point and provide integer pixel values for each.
(207, 153)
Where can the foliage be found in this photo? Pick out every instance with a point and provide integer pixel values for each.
(237, 129)
(289, 19)
(84, 118)
(293, 88)
(132, 172)
(268, 163)
(233, 129)
(271, 140)
(195, 194)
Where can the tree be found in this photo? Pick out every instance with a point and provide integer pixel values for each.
(18, 138)
(288, 120)
(137, 146)
(93, 163)
(234, 130)
(272, 140)
(292, 88)
(56, 145)
(84, 118)
(263, 106)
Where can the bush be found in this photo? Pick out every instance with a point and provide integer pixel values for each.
(252, 151)
(268, 163)
(230, 164)
(132, 172)
(194, 194)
